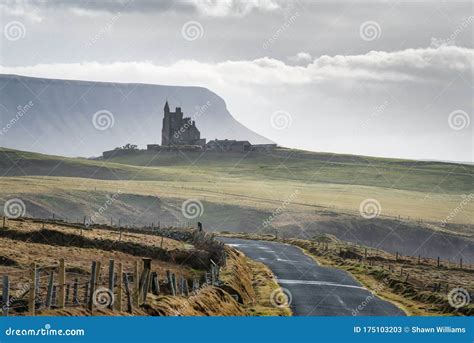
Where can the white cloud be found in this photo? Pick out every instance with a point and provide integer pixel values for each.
(222, 8)
(301, 57)
(211, 8)
(22, 9)
(413, 65)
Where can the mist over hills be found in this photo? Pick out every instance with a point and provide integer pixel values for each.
(57, 116)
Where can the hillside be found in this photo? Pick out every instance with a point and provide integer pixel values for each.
(298, 193)
(57, 116)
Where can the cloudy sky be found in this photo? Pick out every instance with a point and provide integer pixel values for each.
(376, 78)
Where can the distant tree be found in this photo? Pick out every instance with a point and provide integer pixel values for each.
(129, 146)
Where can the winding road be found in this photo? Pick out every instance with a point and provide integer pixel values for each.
(314, 290)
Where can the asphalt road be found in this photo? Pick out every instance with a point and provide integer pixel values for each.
(314, 290)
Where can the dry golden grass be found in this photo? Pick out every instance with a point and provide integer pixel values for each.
(152, 240)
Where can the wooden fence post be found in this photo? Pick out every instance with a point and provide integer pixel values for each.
(62, 281)
(186, 288)
(127, 292)
(49, 294)
(169, 278)
(111, 279)
(5, 293)
(68, 288)
(32, 291)
(75, 292)
(460, 263)
(146, 286)
(86, 293)
(54, 296)
(97, 274)
(173, 282)
(92, 285)
(213, 275)
(3, 222)
(438, 264)
(119, 286)
(136, 284)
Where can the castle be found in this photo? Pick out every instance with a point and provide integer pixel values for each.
(178, 130)
(180, 133)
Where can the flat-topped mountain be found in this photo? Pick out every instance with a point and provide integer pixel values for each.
(84, 118)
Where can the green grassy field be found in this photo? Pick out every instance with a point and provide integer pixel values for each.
(298, 193)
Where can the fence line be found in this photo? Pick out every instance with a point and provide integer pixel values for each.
(59, 289)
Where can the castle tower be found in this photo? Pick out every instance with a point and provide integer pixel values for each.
(177, 130)
(166, 128)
